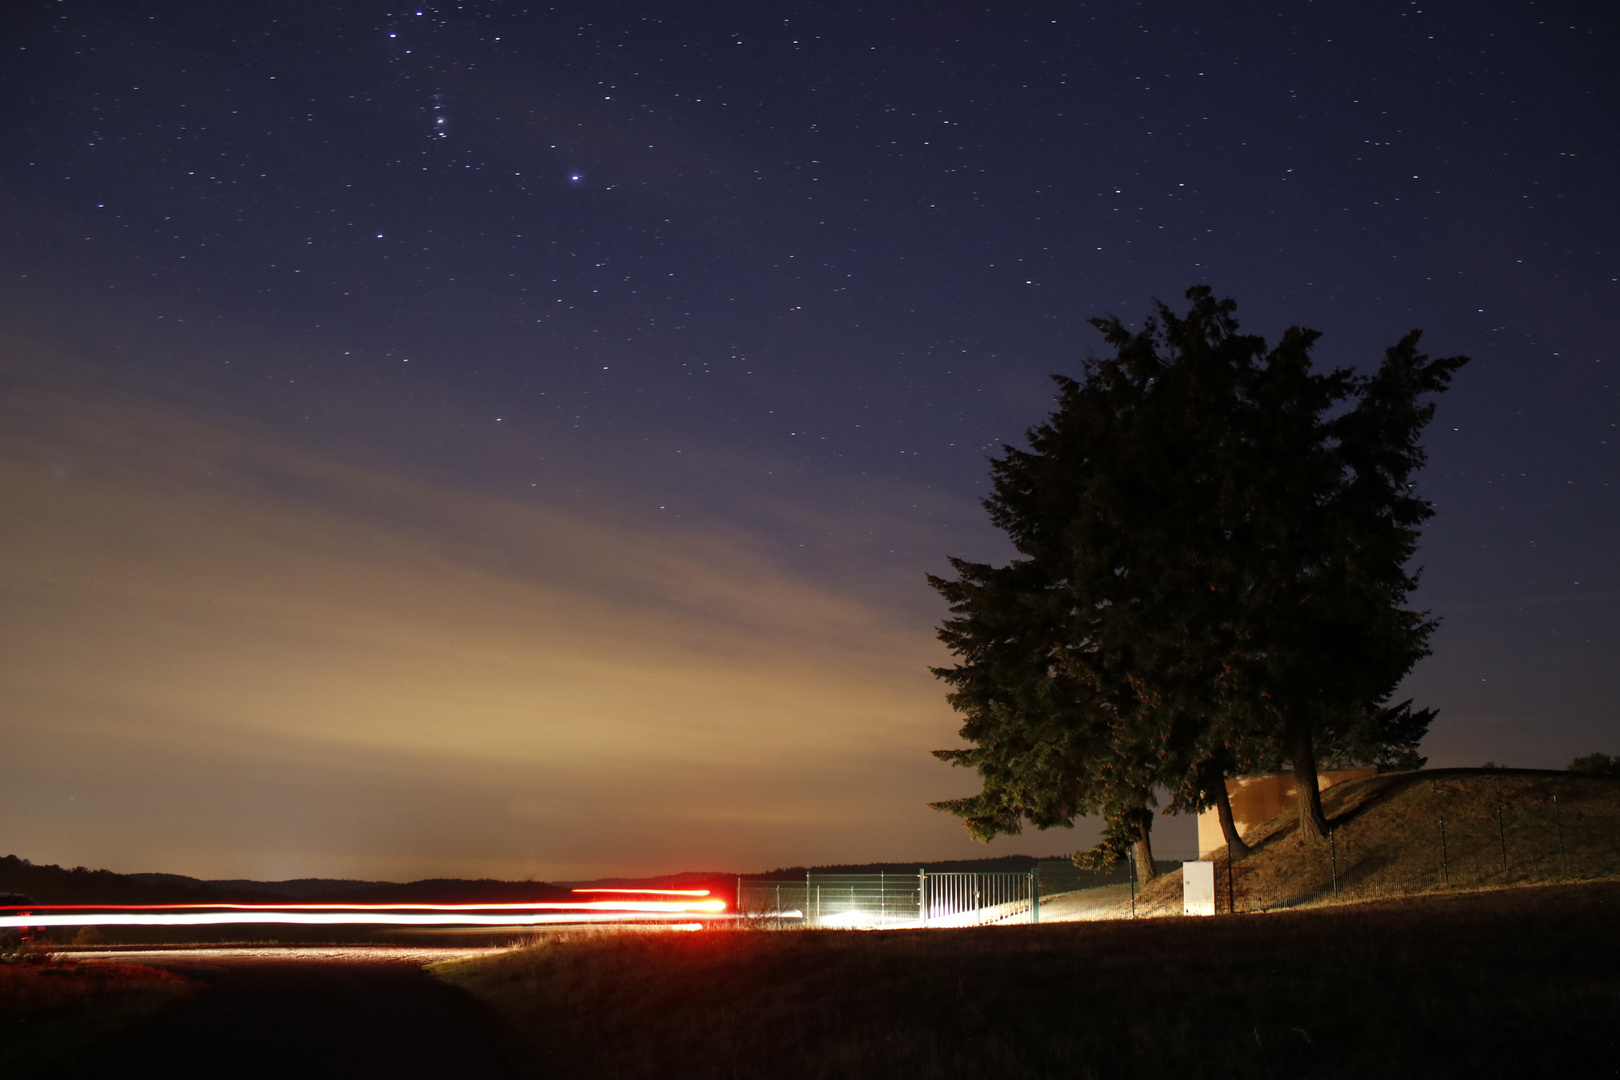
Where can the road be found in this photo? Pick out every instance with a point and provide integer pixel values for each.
(351, 1012)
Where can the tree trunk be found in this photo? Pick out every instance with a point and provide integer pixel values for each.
(1313, 826)
(1142, 848)
(1236, 848)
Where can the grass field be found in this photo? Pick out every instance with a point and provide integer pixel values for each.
(51, 1010)
(1521, 981)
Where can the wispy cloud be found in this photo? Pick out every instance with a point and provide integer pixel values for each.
(210, 614)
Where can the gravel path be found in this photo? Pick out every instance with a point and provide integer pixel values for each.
(308, 1012)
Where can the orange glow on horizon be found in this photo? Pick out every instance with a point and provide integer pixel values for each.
(607, 665)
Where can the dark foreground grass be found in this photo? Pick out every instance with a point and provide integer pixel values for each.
(52, 1011)
(1522, 982)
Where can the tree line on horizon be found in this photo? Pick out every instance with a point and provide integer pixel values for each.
(1213, 541)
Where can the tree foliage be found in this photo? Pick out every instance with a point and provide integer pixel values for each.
(1212, 542)
(1596, 765)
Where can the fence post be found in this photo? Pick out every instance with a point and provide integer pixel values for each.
(1333, 854)
(1558, 824)
(1130, 875)
(922, 895)
(1035, 894)
(1445, 867)
(1501, 832)
(978, 901)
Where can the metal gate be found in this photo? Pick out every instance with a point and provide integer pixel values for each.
(926, 898)
(972, 899)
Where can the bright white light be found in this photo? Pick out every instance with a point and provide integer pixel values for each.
(850, 920)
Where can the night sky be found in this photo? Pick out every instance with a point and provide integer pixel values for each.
(502, 439)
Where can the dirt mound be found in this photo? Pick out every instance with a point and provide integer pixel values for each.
(1402, 834)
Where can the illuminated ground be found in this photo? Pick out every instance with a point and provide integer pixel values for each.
(1104, 902)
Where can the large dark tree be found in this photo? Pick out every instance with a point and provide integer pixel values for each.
(1047, 734)
(1213, 545)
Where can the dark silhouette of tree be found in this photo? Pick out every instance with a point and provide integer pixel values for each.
(1213, 544)
(1596, 765)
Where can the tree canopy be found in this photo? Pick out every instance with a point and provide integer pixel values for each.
(1596, 765)
(1213, 545)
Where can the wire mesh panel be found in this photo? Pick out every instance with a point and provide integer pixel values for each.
(860, 900)
(776, 903)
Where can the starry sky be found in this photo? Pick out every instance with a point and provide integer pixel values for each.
(503, 439)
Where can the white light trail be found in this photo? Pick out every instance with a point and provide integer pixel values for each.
(323, 918)
(536, 913)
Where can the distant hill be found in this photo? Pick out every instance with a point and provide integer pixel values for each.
(724, 883)
(1502, 827)
(994, 864)
(350, 890)
(1058, 873)
(448, 891)
(297, 889)
(49, 884)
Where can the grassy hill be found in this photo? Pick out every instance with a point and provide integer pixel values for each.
(1502, 827)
